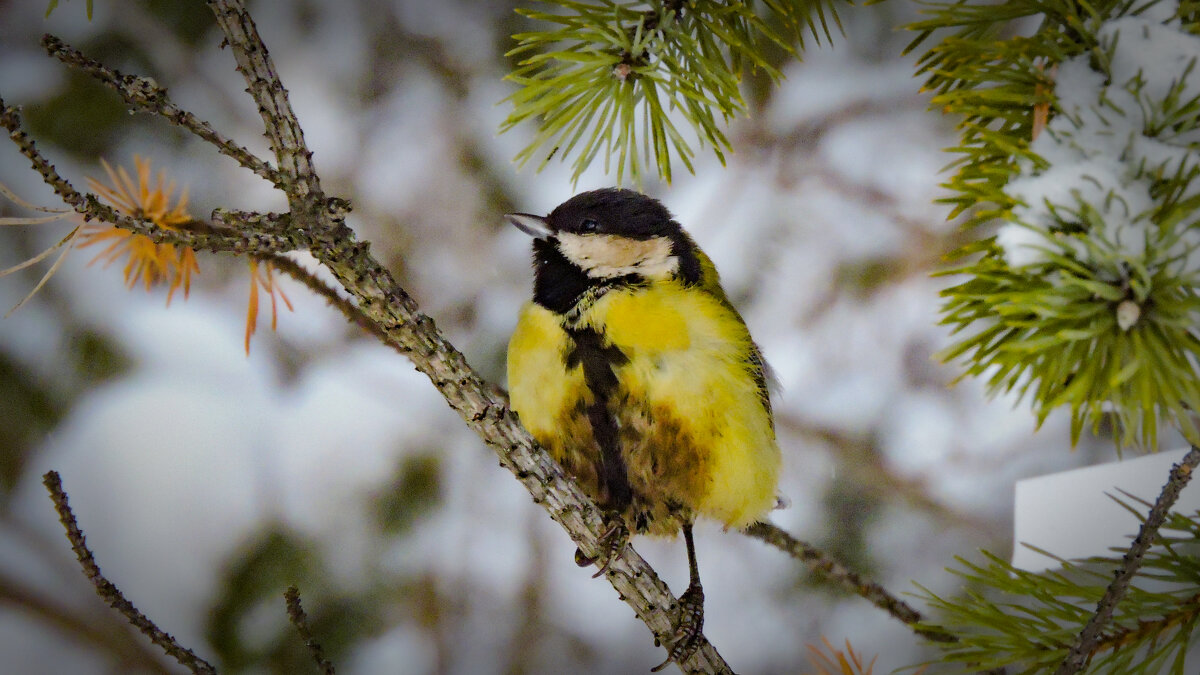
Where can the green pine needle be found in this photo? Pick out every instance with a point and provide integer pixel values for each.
(1026, 622)
(627, 78)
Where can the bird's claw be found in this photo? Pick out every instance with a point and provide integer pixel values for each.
(689, 627)
(611, 543)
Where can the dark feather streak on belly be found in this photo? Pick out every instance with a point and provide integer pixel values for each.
(598, 361)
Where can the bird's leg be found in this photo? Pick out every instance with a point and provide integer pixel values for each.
(611, 543)
(689, 623)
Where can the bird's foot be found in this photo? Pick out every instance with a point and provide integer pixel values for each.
(611, 543)
(689, 627)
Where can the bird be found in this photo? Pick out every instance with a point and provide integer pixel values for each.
(632, 368)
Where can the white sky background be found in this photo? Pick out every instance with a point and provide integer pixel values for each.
(170, 465)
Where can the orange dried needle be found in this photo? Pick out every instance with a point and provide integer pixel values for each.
(146, 261)
(265, 278)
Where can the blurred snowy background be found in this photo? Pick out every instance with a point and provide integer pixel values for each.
(207, 480)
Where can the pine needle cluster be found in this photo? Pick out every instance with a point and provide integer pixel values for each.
(1080, 138)
(1027, 621)
(639, 82)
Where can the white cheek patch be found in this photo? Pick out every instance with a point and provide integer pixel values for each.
(606, 256)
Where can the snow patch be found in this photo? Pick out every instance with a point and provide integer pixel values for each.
(1109, 146)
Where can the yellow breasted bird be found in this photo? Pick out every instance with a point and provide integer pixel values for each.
(632, 368)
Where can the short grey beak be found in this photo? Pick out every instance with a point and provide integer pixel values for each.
(534, 226)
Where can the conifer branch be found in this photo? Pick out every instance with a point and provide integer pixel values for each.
(613, 78)
(1037, 619)
(1186, 613)
(1090, 638)
(109, 592)
(1086, 297)
(1071, 139)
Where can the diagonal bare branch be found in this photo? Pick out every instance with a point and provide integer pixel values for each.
(1089, 638)
(126, 649)
(818, 561)
(109, 592)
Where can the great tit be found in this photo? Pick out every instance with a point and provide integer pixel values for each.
(633, 369)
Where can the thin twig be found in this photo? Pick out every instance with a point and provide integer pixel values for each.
(144, 94)
(1089, 638)
(819, 562)
(339, 302)
(128, 650)
(283, 129)
(194, 234)
(299, 619)
(108, 591)
(1186, 612)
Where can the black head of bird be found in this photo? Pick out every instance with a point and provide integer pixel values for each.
(604, 236)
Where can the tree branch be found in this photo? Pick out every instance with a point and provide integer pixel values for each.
(353, 314)
(128, 650)
(283, 129)
(300, 620)
(1090, 637)
(1187, 612)
(194, 234)
(819, 562)
(143, 93)
(109, 592)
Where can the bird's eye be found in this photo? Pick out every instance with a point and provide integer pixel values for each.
(589, 225)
